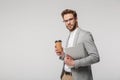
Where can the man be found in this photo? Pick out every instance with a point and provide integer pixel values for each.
(81, 68)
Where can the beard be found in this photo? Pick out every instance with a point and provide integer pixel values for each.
(74, 27)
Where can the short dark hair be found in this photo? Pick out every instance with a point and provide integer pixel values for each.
(67, 11)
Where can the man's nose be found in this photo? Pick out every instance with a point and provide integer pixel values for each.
(68, 21)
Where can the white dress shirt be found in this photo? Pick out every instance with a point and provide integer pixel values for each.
(70, 44)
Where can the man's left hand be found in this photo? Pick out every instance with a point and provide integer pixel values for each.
(69, 61)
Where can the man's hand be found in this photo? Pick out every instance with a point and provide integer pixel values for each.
(59, 53)
(69, 61)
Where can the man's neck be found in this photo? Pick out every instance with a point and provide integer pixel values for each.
(74, 29)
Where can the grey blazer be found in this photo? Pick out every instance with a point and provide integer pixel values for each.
(82, 68)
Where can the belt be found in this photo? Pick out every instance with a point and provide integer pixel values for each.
(67, 73)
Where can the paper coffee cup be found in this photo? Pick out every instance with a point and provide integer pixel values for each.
(58, 45)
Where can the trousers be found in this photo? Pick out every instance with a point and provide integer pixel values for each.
(67, 77)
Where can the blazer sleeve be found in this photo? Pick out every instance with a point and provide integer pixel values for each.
(62, 58)
(92, 51)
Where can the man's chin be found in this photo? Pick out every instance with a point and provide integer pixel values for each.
(70, 29)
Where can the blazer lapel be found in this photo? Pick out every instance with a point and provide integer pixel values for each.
(76, 37)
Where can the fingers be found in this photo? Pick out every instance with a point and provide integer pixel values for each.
(58, 53)
(69, 61)
(56, 50)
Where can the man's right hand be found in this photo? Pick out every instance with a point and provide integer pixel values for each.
(59, 53)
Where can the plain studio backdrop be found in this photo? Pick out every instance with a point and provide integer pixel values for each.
(28, 29)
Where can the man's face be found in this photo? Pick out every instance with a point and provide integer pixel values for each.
(70, 22)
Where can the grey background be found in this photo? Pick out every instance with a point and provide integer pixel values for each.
(28, 29)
